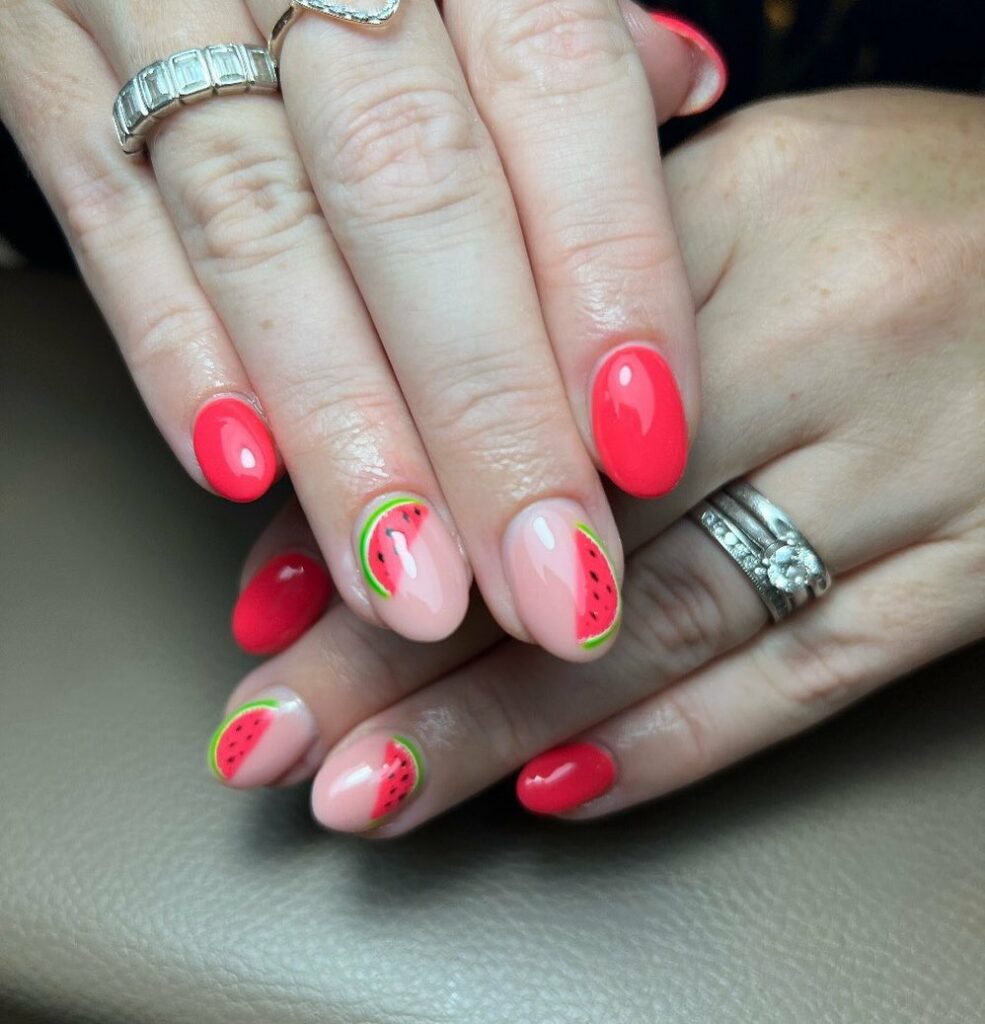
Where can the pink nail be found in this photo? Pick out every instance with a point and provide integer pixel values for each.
(563, 583)
(366, 782)
(710, 73)
(417, 577)
(262, 740)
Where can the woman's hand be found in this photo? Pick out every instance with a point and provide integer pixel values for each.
(470, 192)
(836, 245)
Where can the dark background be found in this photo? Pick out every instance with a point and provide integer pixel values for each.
(773, 47)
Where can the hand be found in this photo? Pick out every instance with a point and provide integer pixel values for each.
(836, 246)
(393, 195)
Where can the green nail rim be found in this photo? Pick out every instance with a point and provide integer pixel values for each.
(367, 533)
(217, 735)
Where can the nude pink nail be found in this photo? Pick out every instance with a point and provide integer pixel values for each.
(416, 574)
(262, 740)
(366, 782)
(562, 581)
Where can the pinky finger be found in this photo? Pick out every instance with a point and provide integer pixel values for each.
(784, 681)
(129, 253)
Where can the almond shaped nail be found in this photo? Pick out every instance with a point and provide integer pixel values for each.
(417, 578)
(566, 777)
(262, 740)
(234, 449)
(367, 782)
(563, 583)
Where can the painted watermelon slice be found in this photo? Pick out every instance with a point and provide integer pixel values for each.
(400, 776)
(598, 602)
(386, 544)
(238, 735)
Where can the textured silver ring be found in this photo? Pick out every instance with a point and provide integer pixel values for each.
(187, 77)
(777, 559)
(341, 12)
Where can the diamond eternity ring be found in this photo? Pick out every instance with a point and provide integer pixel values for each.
(188, 77)
(777, 559)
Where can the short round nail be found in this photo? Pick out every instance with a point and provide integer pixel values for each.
(564, 778)
(414, 571)
(563, 583)
(281, 603)
(638, 421)
(262, 740)
(710, 75)
(234, 449)
(367, 782)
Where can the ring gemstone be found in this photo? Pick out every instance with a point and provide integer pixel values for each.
(790, 566)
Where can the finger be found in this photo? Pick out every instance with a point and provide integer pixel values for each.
(568, 104)
(178, 351)
(285, 715)
(285, 587)
(460, 734)
(880, 623)
(233, 181)
(412, 187)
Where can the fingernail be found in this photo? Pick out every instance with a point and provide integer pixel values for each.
(417, 577)
(262, 740)
(366, 782)
(639, 423)
(234, 448)
(562, 581)
(280, 603)
(564, 778)
(710, 73)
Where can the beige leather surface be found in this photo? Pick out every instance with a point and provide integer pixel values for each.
(839, 879)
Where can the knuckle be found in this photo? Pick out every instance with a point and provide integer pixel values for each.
(168, 329)
(682, 724)
(249, 204)
(99, 206)
(494, 712)
(361, 668)
(402, 149)
(675, 616)
(556, 46)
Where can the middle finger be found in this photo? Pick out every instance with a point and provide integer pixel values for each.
(416, 197)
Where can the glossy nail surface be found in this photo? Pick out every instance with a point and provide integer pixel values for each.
(561, 578)
(564, 778)
(262, 740)
(417, 578)
(234, 449)
(709, 74)
(280, 603)
(638, 421)
(365, 783)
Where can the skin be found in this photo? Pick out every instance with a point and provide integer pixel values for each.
(836, 247)
(297, 251)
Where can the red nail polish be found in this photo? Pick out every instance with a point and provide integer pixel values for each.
(565, 778)
(711, 72)
(639, 423)
(282, 601)
(234, 449)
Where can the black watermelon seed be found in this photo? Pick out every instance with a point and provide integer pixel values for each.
(593, 615)
(593, 574)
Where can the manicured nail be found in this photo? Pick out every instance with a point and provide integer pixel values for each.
(365, 783)
(283, 600)
(564, 778)
(417, 577)
(562, 581)
(262, 740)
(234, 449)
(710, 73)
(639, 423)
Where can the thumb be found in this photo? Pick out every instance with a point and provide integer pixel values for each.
(687, 73)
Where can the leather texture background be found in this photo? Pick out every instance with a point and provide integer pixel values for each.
(837, 880)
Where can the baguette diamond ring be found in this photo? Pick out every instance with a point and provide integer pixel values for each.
(187, 77)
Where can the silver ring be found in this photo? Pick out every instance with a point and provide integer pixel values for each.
(166, 85)
(341, 12)
(777, 559)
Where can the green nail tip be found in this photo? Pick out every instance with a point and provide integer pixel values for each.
(217, 735)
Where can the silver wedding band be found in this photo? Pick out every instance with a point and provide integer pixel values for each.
(780, 563)
(190, 76)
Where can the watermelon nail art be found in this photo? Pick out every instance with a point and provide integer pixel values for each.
(367, 782)
(416, 575)
(261, 740)
(562, 580)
